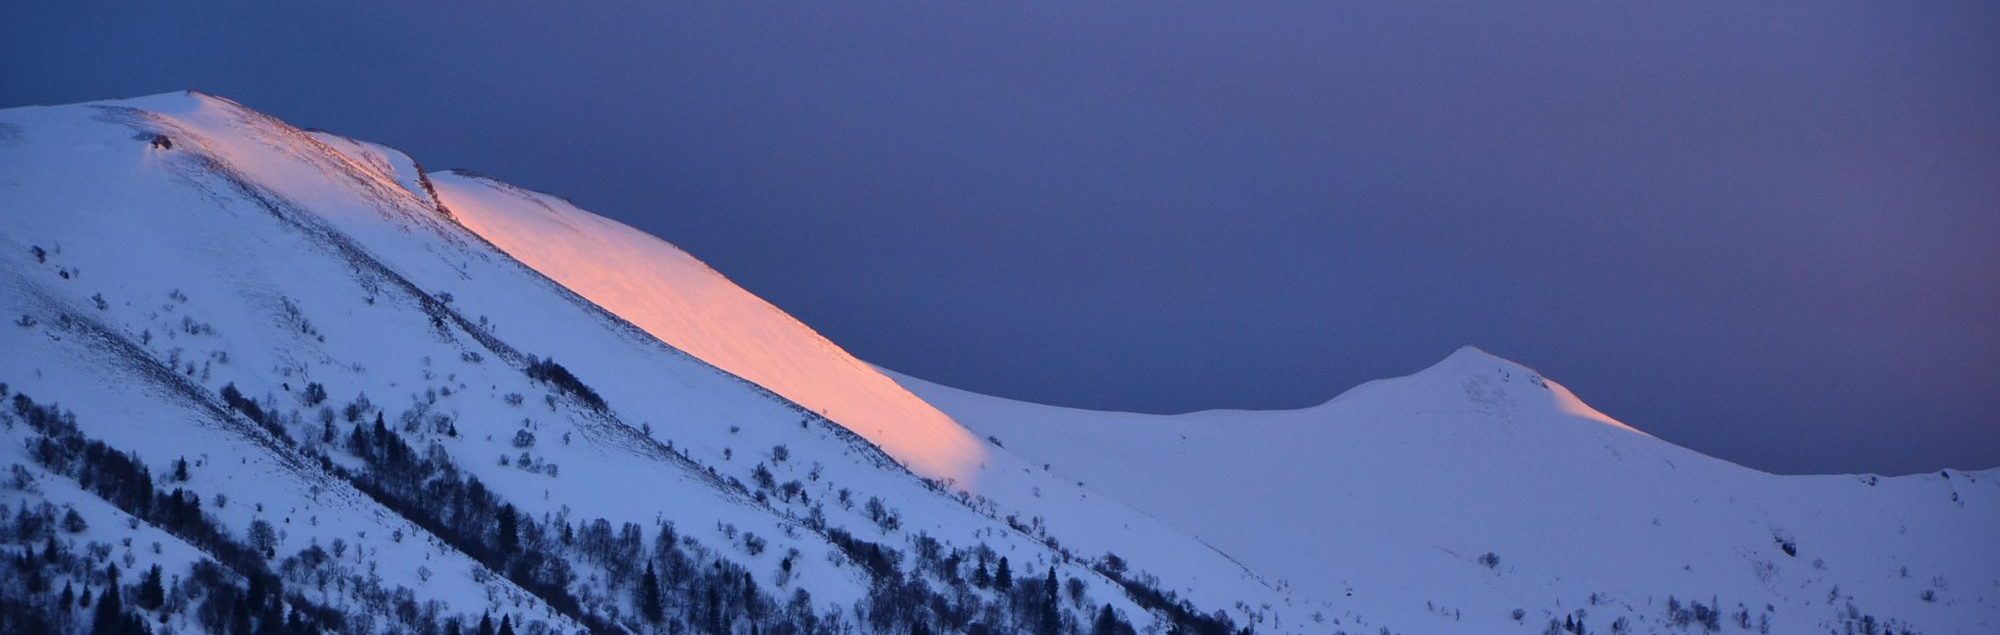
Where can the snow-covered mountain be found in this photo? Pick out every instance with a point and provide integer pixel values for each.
(321, 388)
(1392, 496)
(686, 304)
(408, 423)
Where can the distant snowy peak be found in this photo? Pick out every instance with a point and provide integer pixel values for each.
(1487, 383)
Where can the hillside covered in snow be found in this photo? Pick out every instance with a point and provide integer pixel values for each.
(266, 379)
(1477, 486)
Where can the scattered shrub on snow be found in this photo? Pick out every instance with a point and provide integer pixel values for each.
(73, 523)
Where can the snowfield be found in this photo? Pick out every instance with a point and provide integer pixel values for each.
(405, 401)
(1389, 495)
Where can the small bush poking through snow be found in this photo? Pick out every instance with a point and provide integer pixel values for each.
(73, 523)
(1787, 544)
(315, 394)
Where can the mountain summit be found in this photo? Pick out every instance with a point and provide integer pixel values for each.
(1487, 383)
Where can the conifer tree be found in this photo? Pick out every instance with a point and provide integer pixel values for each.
(1107, 622)
(110, 616)
(73, 522)
(510, 538)
(239, 617)
(31, 570)
(152, 595)
(714, 610)
(649, 596)
(1051, 607)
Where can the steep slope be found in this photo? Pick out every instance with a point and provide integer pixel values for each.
(368, 393)
(686, 304)
(683, 302)
(1391, 495)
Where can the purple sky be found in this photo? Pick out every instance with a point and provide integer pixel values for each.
(1767, 231)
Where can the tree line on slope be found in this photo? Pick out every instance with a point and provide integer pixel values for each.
(211, 591)
(680, 587)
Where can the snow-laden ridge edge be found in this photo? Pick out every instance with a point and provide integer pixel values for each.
(684, 302)
(235, 171)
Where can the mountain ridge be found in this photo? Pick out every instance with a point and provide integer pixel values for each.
(656, 286)
(291, 271)
(337, 321)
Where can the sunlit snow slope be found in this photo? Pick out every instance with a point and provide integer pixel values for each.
(315, 278)
(675, 297)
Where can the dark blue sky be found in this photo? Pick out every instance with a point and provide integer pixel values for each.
(1767, 231)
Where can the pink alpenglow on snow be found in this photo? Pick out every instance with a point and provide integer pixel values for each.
(683, 302)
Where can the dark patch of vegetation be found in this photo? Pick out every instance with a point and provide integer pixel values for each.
(254, 412)
(880, 562)
(124, 481)
(549, 372)
(1183, 615)
(1489, 560)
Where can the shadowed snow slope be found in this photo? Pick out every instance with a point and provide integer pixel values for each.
(1390, 494)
